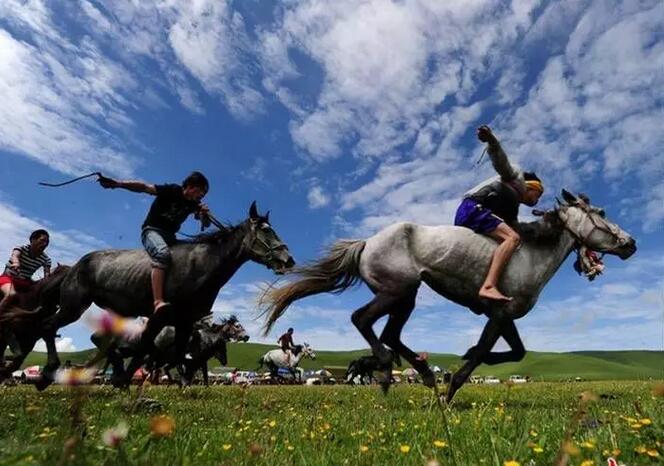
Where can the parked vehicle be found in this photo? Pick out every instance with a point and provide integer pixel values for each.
(476, 379)
(30, 374)
(517, 379)
(491, 380)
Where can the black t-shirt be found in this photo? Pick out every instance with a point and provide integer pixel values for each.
(170, 209)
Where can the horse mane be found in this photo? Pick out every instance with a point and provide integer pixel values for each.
(216, 236)
(544, 230)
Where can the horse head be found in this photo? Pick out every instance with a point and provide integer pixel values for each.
(263, 245)
(232, 330)
(307, 351)
(591, 229)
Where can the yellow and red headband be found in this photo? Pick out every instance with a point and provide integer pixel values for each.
(536, 185)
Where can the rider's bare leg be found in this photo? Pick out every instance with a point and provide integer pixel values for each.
(8, 297)
(509, 241)
(158, 278)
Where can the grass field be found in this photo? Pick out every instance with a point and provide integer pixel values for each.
(336, 425)
(591, 365)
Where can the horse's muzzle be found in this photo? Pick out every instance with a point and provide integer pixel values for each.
(627, 250)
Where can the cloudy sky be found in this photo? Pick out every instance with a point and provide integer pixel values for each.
(341, 118)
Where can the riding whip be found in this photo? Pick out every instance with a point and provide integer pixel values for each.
(99, 176)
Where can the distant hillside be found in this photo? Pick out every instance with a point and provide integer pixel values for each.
(591, 365)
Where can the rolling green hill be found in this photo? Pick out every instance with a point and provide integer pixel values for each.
(591, 365)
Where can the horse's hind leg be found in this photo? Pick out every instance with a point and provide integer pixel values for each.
(487, 340)
(364, 318)
(391, 336)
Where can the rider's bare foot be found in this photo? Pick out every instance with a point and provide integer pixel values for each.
(491, 292)
(423, 356)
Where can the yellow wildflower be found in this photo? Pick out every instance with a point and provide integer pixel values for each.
(652, 453)
(588, 463)
(589, 444)
(404, 448)
(272, 423)
(538, 449)
(439, 444)
(640, 449)
(364, 448)
(511, 463)
(645, 421)
(162, 426)
(226, 446)
(571, 449)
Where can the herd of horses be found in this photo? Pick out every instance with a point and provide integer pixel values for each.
(393, 263)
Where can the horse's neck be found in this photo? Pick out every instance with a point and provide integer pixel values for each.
(228, 256)
(296, 359)
(548, 259)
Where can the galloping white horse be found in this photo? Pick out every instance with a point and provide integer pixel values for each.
(453, 261)
(276, 359)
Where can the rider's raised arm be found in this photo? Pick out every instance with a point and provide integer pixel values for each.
(129, 185)
(497, 155)
(501, 163)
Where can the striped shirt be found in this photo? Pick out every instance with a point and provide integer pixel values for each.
(28, 265)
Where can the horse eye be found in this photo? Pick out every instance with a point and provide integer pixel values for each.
(601, 213)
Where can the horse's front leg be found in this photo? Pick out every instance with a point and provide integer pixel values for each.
(487, 340)
(510, 334)
(52, 363)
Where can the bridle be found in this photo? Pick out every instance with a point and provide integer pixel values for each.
(604, 227)
(270, 254)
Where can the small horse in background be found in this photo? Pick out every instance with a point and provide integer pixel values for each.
(20, 326)
(364, 368)
(277, 359)
(208, 340)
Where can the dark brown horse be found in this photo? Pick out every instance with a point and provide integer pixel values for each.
(20, 326)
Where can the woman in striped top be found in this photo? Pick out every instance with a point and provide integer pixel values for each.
(23, 263)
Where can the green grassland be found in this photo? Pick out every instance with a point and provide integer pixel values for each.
(590, 365)
(336, 425)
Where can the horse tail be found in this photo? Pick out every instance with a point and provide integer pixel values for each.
(335, 272)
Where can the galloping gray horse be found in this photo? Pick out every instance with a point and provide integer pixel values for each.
(119, 280)
(453, 261)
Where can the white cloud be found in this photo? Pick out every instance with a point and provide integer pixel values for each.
(210, 40)
(317, 197)
(52, 105)
(63, 345)
(66, 247)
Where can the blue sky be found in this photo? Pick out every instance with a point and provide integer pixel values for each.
(342, 118)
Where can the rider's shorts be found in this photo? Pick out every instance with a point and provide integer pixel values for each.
(156, 244)
(472, 215)
(20, 284)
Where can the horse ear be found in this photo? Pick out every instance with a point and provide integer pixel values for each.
(569, 197)
(253, 211)
(267, 216)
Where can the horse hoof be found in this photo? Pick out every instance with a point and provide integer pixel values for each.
(120, 381)
(42, 383)
(429, 380)
(385, 387)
